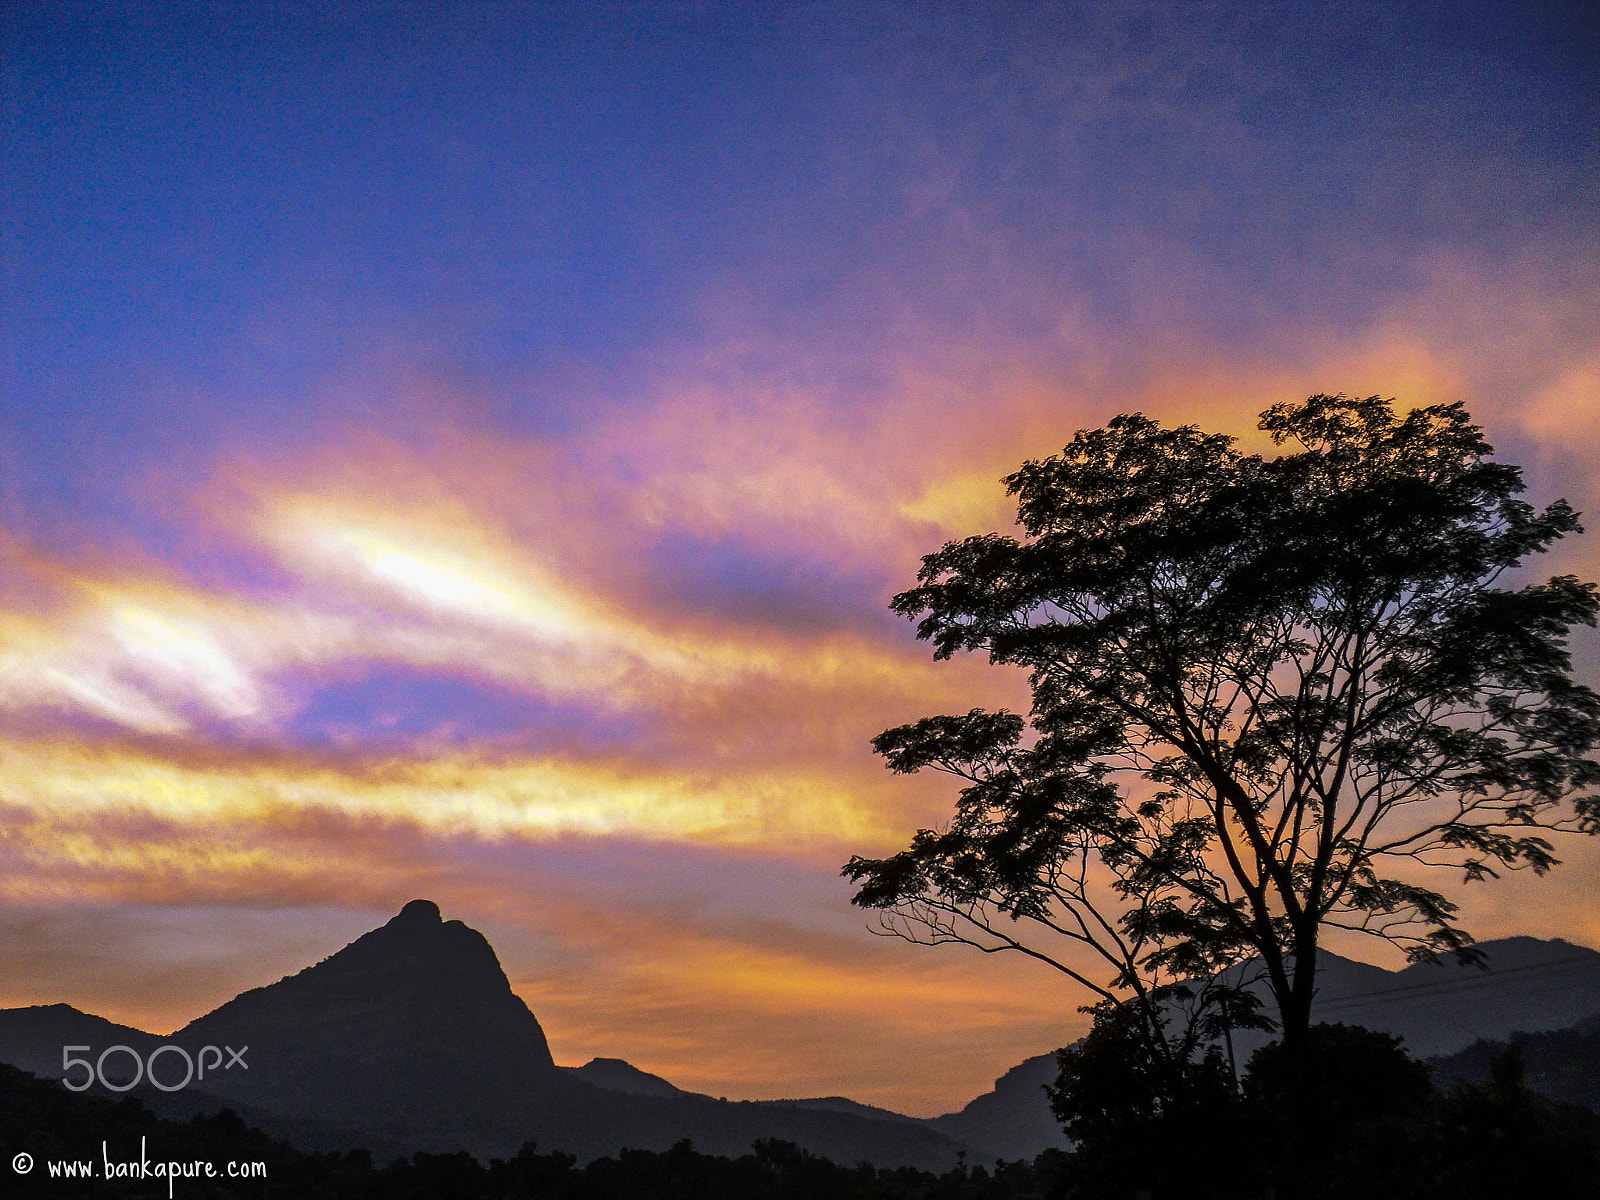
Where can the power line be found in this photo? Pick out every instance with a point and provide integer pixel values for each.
(1441, 987)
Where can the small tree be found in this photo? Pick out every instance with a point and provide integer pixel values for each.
(1271, 696)
(1141, 1121)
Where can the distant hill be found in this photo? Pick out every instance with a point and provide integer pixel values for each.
(616, 1075)
(841, 1104)
(1438, 1008)
(1013, 1121)
(1560, 1064)
(411, 1038)
(32, 1038)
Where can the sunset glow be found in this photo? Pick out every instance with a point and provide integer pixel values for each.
(471, 456)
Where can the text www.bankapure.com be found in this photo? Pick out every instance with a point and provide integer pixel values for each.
(110, 1166)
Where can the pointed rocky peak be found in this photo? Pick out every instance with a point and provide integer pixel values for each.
(416, 1010)
(417, 942)
(415, 950)
(418, 914)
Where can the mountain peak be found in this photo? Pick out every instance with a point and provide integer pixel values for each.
(418, 912)
(416, 1014)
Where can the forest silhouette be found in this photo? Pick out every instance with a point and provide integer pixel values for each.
(1382, 1130)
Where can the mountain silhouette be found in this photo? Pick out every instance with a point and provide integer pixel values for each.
(1560, 1064)
(1525, 985)
(32, 1038)
(1528, 985)
(1014, 1120)
(616, 1075)
(415, 1016)
(410, 1038)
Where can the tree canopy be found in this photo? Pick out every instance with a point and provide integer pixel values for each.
(1272, 695)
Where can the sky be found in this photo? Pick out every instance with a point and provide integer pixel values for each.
(467, 450)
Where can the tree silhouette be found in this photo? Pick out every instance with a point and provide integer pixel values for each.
(1140, 1121)
(1271, 696)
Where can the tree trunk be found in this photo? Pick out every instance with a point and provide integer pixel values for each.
(1295, 1009)
(1295, 1015)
